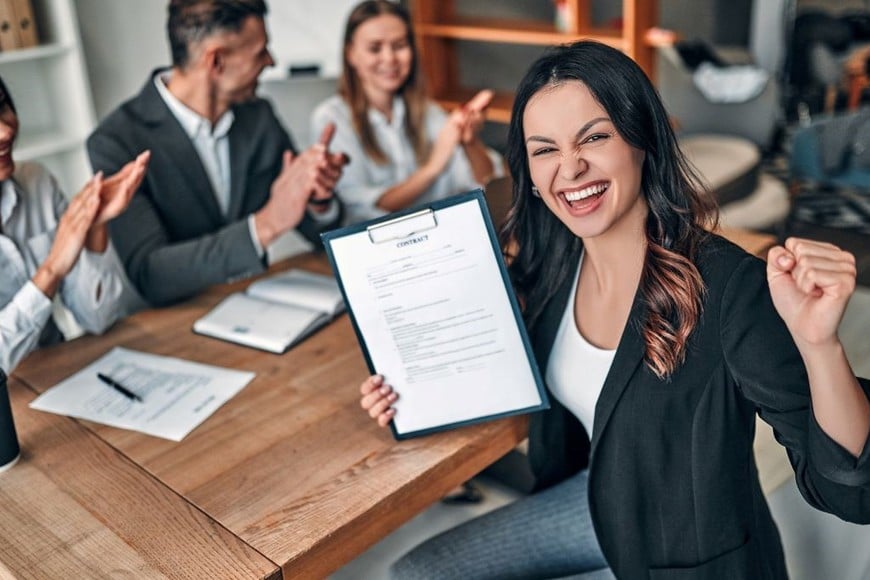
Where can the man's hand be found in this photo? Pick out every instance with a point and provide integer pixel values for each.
(335, 161)
(308, 177)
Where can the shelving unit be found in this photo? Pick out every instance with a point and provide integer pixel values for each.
(50, 87)
(440, 25)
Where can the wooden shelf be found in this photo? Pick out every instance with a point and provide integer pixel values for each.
(33, 53)
(49, 84)
(439, 26)
(513, 32)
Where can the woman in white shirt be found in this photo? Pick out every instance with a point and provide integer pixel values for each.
(403, 148)
(42, 238)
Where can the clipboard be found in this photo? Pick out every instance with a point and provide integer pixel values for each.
(433, 310)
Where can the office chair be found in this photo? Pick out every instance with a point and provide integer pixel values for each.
(756, 118)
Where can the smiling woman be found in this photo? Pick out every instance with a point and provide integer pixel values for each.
(589, 178)
(660, 342)
(404, 149)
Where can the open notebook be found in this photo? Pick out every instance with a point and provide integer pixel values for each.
(276, 312)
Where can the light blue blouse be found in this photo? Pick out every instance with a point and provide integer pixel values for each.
(364, 181)
(31, 204)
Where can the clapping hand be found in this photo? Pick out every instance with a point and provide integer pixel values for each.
(305, 179)
(334, 162)
(69, 238)
(474, 113)
(117, 190)
(114, 196)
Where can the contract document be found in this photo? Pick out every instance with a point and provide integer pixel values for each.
(173, 396)
(430, 300)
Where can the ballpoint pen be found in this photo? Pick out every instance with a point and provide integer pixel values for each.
(119, 387)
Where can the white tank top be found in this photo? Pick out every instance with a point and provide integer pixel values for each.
(576, 369)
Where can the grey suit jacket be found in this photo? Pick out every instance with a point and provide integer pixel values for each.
(673, 486)
(173, 239)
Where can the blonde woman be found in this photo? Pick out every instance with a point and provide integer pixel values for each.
(403, 148)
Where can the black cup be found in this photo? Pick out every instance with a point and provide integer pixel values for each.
(9, 449)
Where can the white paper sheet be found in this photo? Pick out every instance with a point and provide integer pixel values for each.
(177, 395)
(437, 320)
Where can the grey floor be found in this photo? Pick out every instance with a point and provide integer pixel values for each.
(817, 545)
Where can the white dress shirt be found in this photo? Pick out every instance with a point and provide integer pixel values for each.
(576, 370)
(212, 145)
(364, 181)
(31, 204)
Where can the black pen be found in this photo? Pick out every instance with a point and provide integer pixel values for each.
(119, 387)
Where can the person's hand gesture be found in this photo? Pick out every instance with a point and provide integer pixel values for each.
(335, 162)
(308, 177)
(449, 137)
(69, 239)
(475, 115)
(377, 398)
(810, 283)
(117, 190)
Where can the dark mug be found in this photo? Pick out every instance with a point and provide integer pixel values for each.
(9, 449)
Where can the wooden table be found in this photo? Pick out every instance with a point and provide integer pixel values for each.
(291, 465)
(73, 507)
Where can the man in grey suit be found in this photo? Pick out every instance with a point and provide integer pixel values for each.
(224, 179)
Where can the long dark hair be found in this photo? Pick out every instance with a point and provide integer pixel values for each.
(413, 91)
(680, 209)
(5, 97)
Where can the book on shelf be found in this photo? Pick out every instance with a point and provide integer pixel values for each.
(276, 312)
(9, 38)
(17, 25)
(25, 23)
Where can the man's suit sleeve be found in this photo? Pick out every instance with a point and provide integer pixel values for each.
(162, 270)
(764, 360)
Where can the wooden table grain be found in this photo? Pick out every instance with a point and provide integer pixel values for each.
(291, 465)
(74, 507)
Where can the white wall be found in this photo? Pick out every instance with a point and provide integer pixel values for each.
(123, 41)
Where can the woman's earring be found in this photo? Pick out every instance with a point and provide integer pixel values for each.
(536, 192)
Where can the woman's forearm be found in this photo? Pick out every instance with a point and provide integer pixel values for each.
(839, 404)
(406, 193)
(480, 161)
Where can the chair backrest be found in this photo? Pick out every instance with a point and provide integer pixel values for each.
(833, 151)
(498, 194)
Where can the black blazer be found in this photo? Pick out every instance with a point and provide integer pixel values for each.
(173, 239)
(673, 486)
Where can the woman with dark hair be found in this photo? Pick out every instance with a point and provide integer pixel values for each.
(403, 148)
(660, 342)
(50, 245)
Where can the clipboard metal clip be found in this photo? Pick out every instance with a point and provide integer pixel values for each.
(402, 227)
